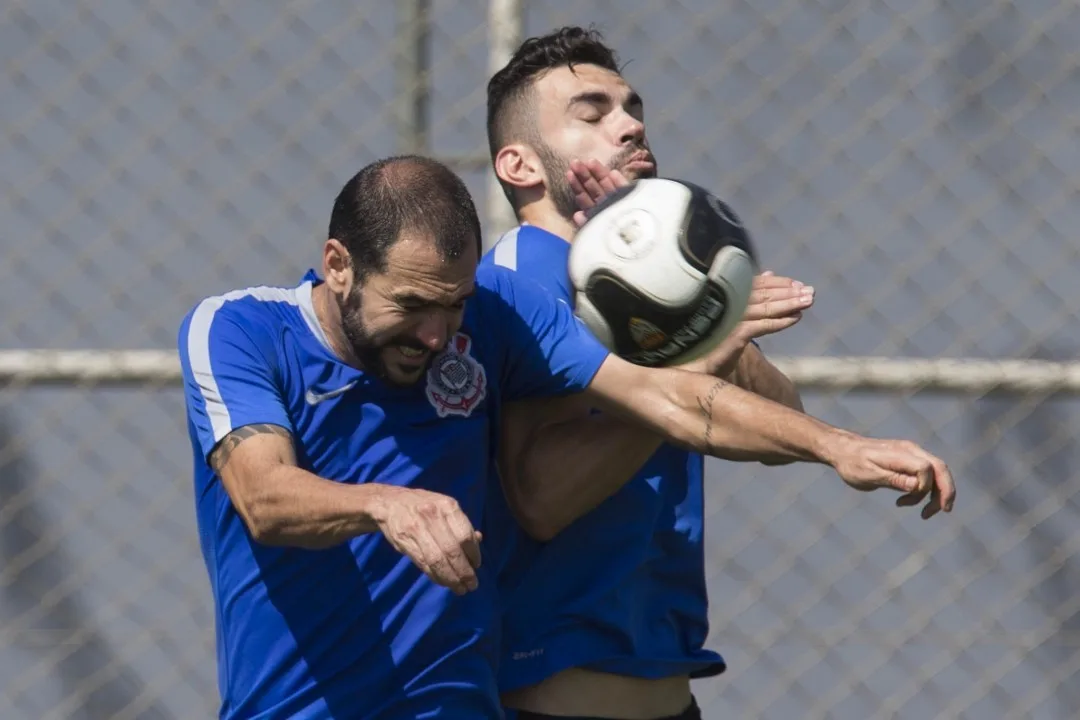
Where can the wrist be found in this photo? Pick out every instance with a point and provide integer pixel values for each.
(374, 501)
(696, 366)
(831, 445)
(726, 366)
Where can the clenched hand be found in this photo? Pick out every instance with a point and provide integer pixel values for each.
(868, 464)
(433, 531)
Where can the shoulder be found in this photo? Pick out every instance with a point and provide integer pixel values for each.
(256, 314)
(498, 285)
(525, 247)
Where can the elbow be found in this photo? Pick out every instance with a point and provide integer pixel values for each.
(538, 522)
(264, 523)
(263, 527)
(541, 531)
(536, 515)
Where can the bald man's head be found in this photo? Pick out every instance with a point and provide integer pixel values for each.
(403, 194)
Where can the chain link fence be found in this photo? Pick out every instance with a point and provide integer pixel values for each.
(918, 162)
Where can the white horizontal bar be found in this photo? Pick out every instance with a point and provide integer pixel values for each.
(953, 375)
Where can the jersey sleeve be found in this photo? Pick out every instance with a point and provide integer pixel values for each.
(229, 373)
(547, 350)
(538, 256)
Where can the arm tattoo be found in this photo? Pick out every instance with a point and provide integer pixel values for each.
(706, 404)
(230, 442)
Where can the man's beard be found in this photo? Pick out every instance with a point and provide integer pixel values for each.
(367, 352)
(556, 167)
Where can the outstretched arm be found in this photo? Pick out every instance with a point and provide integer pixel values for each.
(714, 417)
(558, 461)
(776, 303)
(737, 359)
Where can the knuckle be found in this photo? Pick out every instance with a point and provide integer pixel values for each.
(448, 503)
(427, 509)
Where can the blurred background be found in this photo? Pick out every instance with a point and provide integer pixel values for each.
(917, 161)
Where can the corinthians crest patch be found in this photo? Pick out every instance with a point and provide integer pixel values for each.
(456, 382)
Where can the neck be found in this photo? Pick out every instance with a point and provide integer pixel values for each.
(546, 217)
(329, 317)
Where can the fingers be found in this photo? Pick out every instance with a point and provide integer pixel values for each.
(908, 471)
(925, 475)
(437, 536)
(593, 186)
(441, 559)
(467, 538)
(768, 326)
(768, 287)
(769, 279)
(606, 180)
(777, 303)
(577, 186)
(591, 182)
(452, 563)
(943, 490)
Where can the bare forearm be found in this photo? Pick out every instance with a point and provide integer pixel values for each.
(572, 467)
(293, 507)
(755, 373)
(717, 418)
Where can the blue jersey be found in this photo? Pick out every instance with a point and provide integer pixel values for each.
(357, 631)
(622, 589)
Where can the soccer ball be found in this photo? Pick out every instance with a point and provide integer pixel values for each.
(662, 271)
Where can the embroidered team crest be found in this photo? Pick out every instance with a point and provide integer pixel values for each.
(456, 382)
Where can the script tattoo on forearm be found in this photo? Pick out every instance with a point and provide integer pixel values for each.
(706, 403)
(230, 442)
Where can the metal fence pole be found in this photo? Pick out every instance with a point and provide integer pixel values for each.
(505, 30)
(411, 70)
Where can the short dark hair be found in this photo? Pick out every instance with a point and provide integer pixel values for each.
(509, 117)
(404, 192)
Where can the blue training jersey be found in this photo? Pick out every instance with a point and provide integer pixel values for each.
(357, 631)
(622, 589)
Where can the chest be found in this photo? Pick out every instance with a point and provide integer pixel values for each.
(353, 427)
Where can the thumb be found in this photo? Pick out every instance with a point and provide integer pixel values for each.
(902, 482)
(908, 472)
(579, 218)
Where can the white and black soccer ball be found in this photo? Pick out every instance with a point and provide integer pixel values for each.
(662, 271)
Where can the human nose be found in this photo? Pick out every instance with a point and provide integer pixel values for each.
(631, 130)
(433, 331)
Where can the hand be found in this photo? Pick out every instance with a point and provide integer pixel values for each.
(591, 181)
(776, 303)
(867, 464)
(433, 531)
